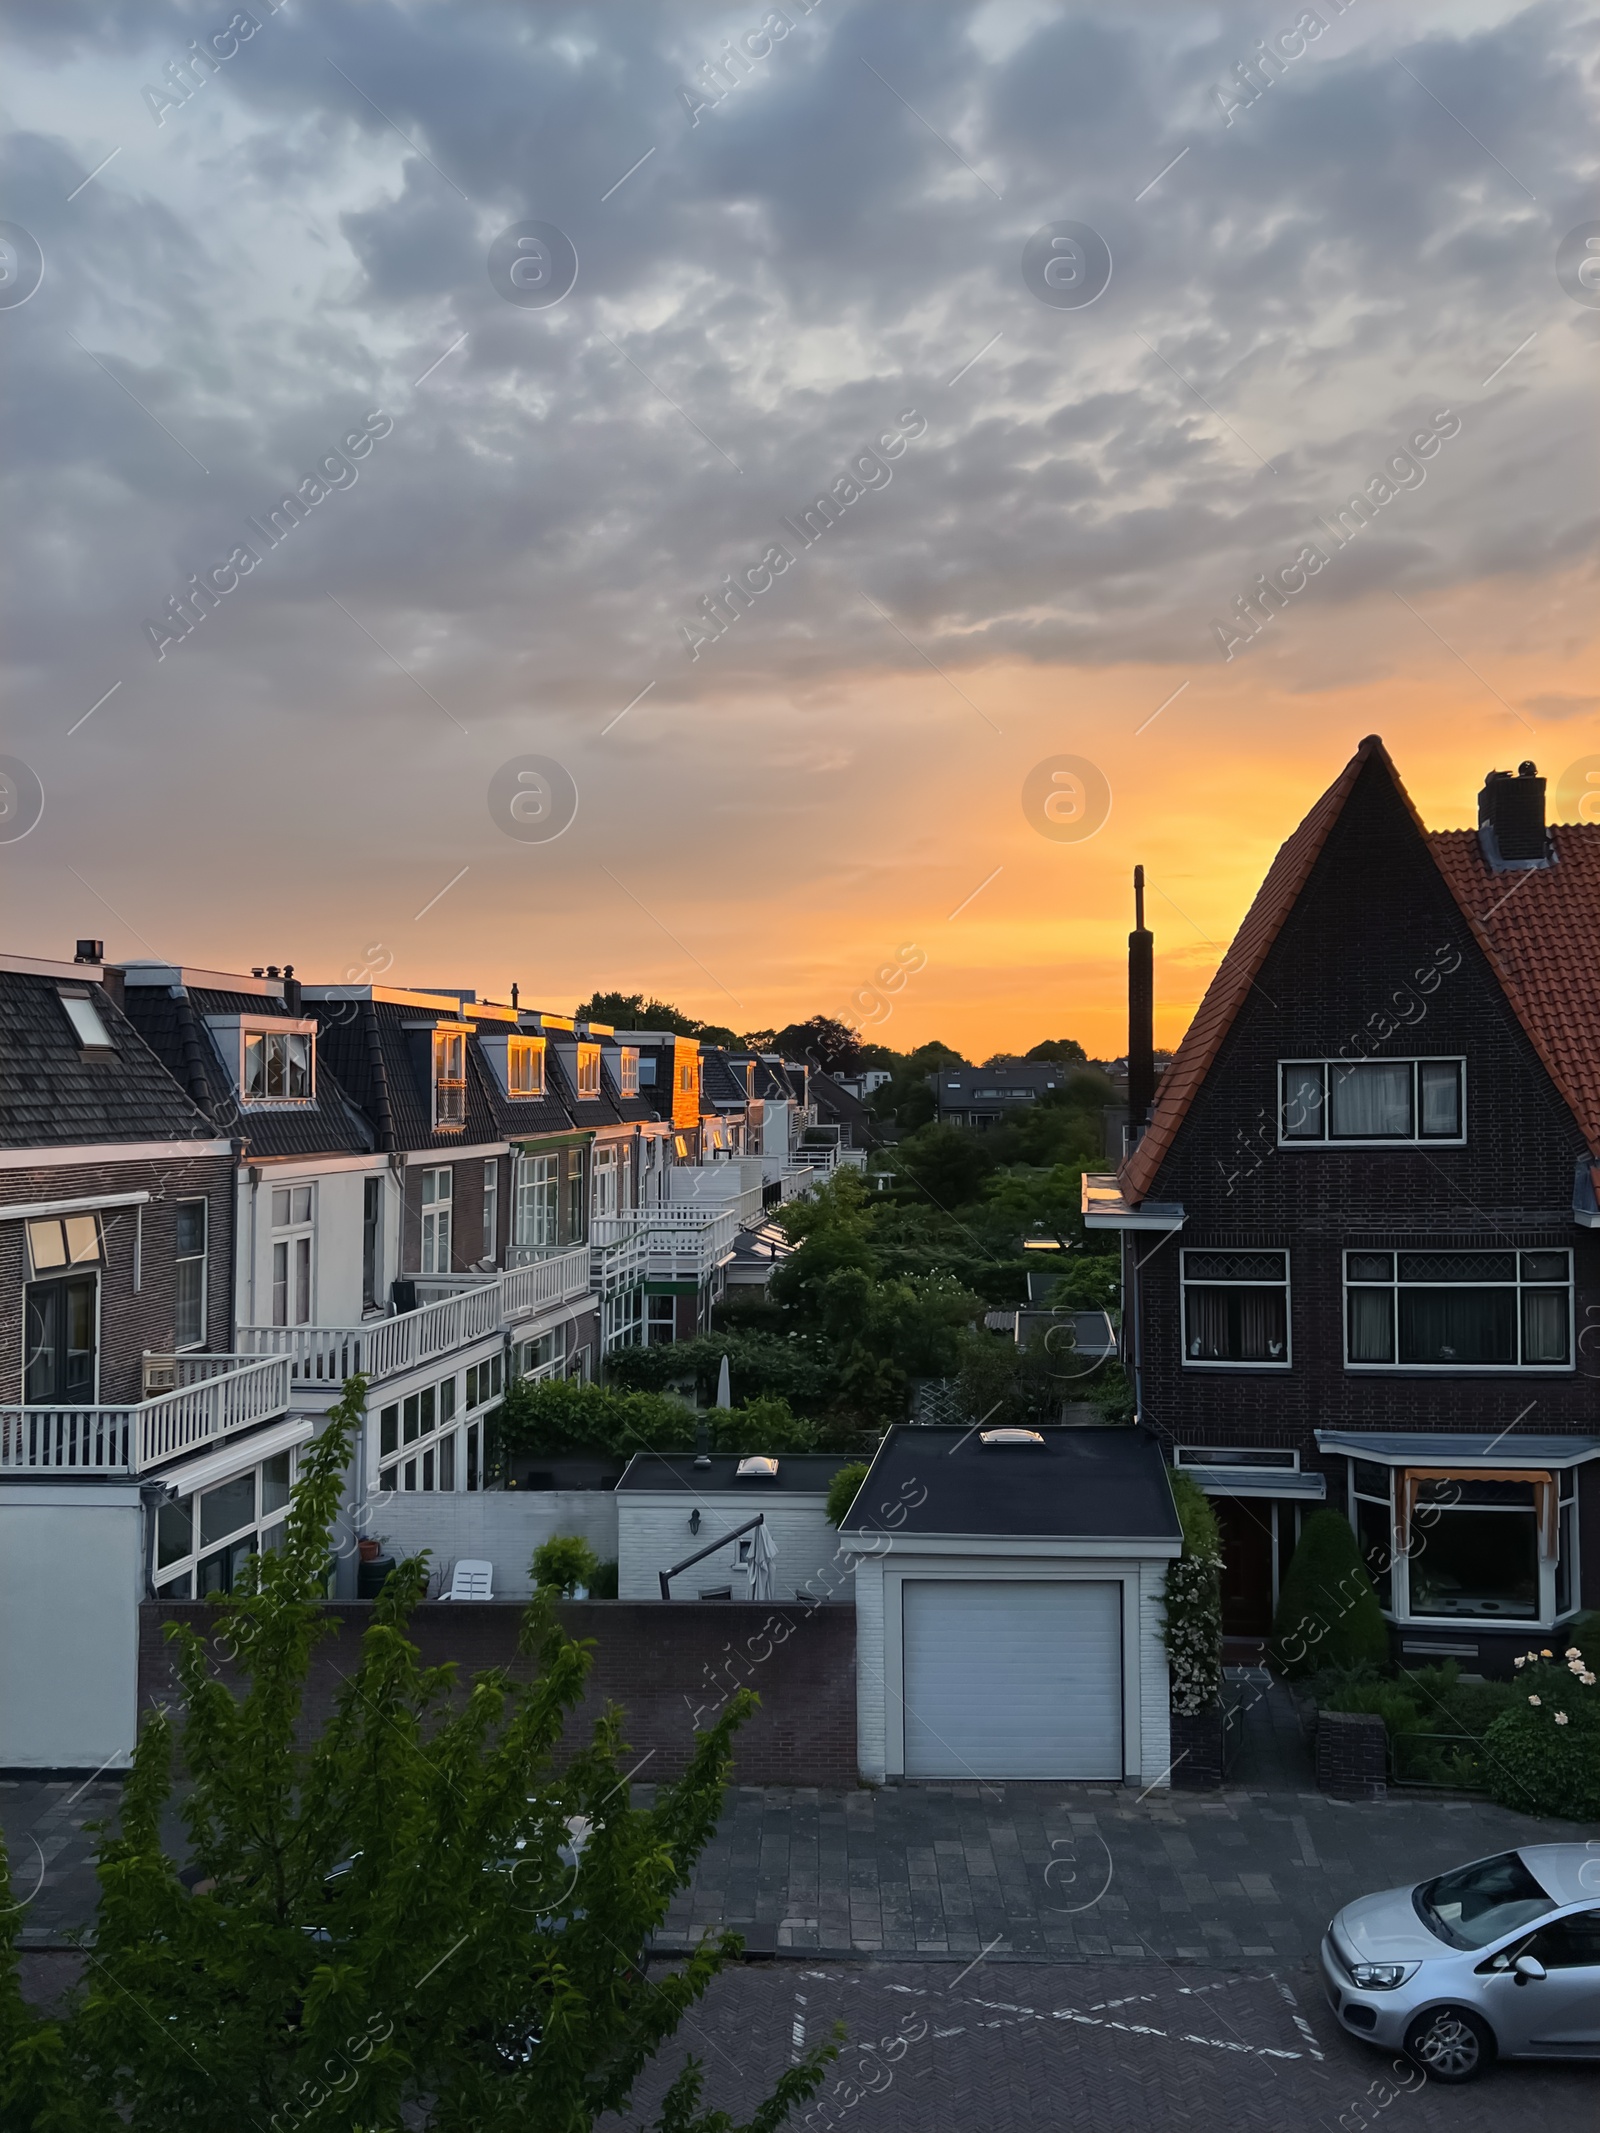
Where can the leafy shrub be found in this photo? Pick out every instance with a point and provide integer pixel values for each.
(561, 1415)
(1544, 1752)
(843, 1490)
(1192, 1602)
(761, 1425)
(1328, 1612)
(565, 1560)
(760, 1365)
(603, 1585)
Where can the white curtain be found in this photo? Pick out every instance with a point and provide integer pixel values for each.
(1370, 1102)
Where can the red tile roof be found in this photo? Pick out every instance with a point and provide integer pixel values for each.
(1540, 931)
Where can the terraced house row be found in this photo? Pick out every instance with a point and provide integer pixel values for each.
(223, 1193)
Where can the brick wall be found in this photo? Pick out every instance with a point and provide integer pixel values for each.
(1352, 1755)
(661, 1663)
(131, 1320)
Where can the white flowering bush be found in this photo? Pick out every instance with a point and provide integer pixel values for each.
(1192, 1603)
(1544, 1753)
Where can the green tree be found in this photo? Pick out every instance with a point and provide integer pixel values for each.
(944, 1164)
(1192, 1601)
(763, 1424)
(1328, 1612)
(631, 1010)
(1058, 1051)
(821, 1042)
(843, 1490)
(415, 1919)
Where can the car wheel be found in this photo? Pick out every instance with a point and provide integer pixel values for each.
(1449, 2044)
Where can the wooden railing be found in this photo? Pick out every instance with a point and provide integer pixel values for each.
(216, 1395)
(682, 1243)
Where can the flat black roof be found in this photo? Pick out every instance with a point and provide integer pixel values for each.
(799, 1473)
(1085, 1484)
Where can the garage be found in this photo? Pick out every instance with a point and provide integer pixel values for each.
(1020, 1678)
(1008, 1590)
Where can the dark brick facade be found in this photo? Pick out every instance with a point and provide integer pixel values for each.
(1352, 1755)
(466, 1219)
(662, 1664)
(1374, 961)
(131, 1320)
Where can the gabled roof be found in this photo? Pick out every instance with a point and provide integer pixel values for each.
(1540, 931)
(54, 1094)
(1226, 993)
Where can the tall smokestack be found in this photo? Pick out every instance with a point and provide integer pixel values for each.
(1141, 1015)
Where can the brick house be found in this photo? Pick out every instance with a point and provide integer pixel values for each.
(123, 1410)
(1359, 1230)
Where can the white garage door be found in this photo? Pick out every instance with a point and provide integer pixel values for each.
(1012, 1679)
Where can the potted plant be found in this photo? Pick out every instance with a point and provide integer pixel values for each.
(370, 1546)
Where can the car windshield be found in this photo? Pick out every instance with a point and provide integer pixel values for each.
(1476, 1904)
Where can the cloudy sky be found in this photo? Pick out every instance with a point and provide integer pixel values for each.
(1326, 242)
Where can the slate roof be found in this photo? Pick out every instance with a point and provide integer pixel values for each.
(55, 1095)
(173, 1023)
(720, 1086)
(1079, 1484)
(1540, 931)
(382, 1054)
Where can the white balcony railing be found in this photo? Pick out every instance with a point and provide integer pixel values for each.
(684, 1243)
(456, 1309)
(216, 1396)
(795, 1182)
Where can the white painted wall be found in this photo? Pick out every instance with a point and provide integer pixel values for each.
(1146, 1690)
(653, 1534)
(336, 1253)
(502, 1527)
(69, 1625)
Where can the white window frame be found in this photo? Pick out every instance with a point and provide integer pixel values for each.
(276, 1030)
(1206, 1281)
(427, 1441)
(491, 1208)
(449, 1090)
(536, 1214)
(588, 1070)
(88, 1024)
(289, 1237)
(1415, 1139)
(202, 1258)
(524, 1068)
(437, 1215)
(628, 1070)
(1400, 1611)
(605, 1181)
(260, 1525)
(1395, 1368)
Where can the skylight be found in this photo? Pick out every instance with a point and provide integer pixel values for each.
(1010, 1436)
(87, 1026)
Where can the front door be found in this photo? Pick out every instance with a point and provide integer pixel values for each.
(1246, 1526)
(60, 1359)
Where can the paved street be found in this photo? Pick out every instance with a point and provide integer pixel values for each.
(1119, 2048)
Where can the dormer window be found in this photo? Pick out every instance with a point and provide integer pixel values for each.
(525, 1066)
(278, 1066)
(449, 1077)
(87, 1025)
(588, 1070)
(628, 1071)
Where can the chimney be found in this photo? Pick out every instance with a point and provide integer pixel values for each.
(1511, 828)
(291, 989)
(1141, 1015)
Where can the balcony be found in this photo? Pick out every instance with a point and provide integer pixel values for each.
(682, 1243)
(456, 1310)
(215, 1396)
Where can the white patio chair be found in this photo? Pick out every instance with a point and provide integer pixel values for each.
(472, 1580)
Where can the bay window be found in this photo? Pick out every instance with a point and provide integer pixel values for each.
(1467, 1544)
(1502, 1310)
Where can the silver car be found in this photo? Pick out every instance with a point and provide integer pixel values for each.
(1497, 1959)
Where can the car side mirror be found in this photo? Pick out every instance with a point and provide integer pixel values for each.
(1527, 1969)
